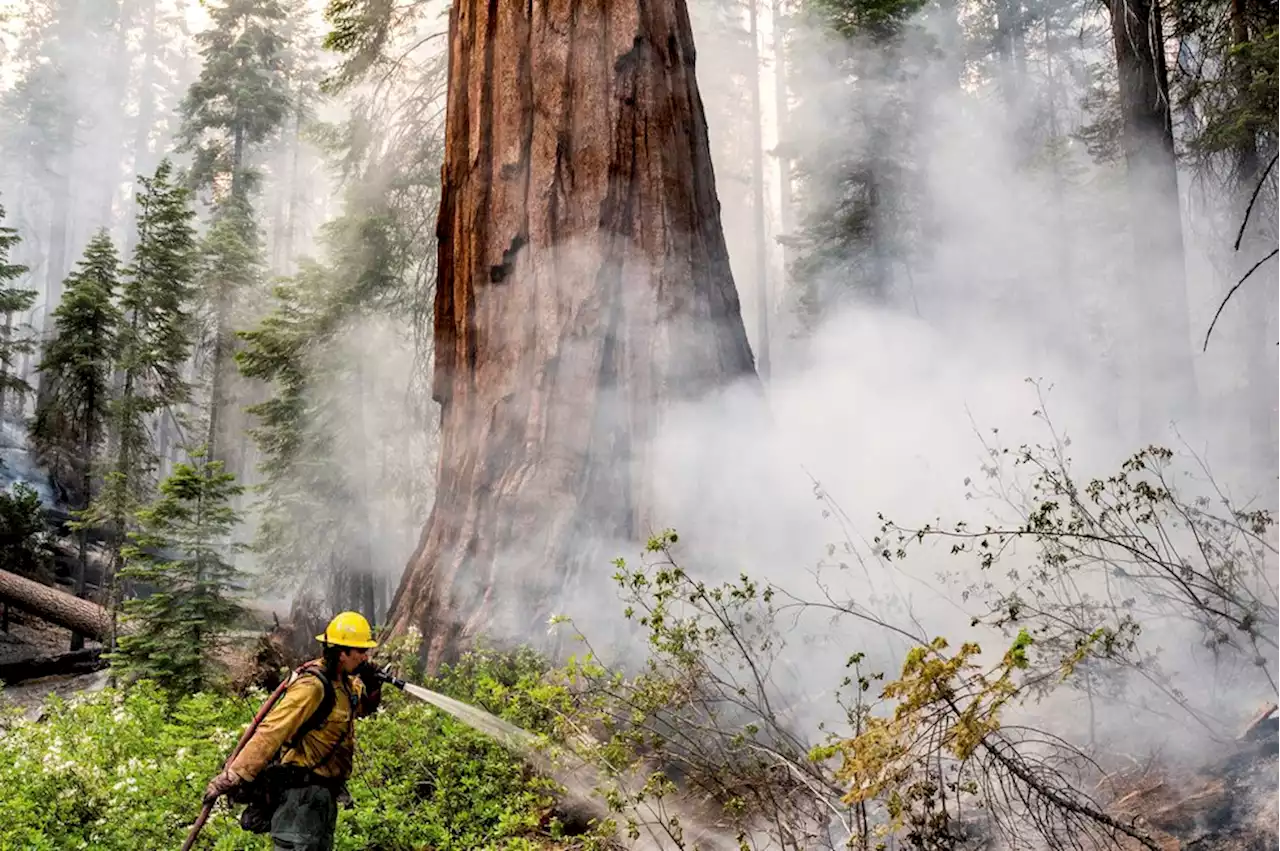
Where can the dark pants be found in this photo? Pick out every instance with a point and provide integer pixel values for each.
(305, 820)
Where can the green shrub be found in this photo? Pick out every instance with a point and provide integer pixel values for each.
(126, 770)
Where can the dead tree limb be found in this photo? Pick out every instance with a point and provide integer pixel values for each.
(83, 661)
(1232, 292)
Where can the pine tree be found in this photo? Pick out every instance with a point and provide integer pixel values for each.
(232, 269)
(13, 299)
(154, 344)
(314, 524)
(855, 180)
(240, 98)
(25, 545)
(182, 550)
(295, 528)
(70, 425)
(237, 106)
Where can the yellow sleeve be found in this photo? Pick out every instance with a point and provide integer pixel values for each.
(296, 705)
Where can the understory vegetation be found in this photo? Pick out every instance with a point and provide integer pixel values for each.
(715, 736)
(126, 769)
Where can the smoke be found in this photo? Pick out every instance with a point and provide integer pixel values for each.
(1012, 260)
(1004, 253)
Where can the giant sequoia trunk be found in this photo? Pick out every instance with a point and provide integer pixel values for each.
(584, 284)
(1162, 344)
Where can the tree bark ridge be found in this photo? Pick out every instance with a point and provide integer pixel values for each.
(583, 285)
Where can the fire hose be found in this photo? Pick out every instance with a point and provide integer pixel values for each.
(244, 740)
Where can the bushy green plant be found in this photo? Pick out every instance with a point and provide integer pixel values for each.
(182, 551)
(25, 542)
(122, 770)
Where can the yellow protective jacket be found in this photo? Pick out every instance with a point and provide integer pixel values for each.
(327, 750)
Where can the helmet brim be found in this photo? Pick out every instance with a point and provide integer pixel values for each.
(358, 645)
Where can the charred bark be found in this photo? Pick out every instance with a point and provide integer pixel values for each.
(583, 285)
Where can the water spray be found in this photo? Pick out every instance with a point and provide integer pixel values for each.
(582, 805)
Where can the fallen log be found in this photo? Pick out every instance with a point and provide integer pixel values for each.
(55, 606)
(84, 661)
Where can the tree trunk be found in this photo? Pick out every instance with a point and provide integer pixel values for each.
(583, 284)
(142, 158)
(56, 266)
(82, 534)
(1257, 237)
(786, 219)
(55, 606)
(759, 234)
(1166, 380)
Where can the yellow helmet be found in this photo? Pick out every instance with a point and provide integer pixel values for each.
(348, 629)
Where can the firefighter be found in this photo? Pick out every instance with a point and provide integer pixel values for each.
(298, 760)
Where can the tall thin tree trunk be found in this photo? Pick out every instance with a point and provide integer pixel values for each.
(109, 138)
(279, 197)
(82, 535)
(217, 391)
(782, 114)
(1262, 381)
(295, 192)
(142, 158)
(760, 232)
(1164, 382)
(237, 162)
(584, 285)
(56, 266)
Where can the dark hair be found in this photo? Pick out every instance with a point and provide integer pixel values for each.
(331, 653)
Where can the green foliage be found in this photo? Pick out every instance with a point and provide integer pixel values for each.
(229, 283)
(231, 256)
(315, 513)
(1227, 77)
(880, 20)
(70, 427)
(304, 515)
(13, 299)
(154, 343)
(1162, 545)
(862, 210)
(182, 552)
(25, 542)
(156, 339)
(118, 771)
(359, 30)
(240, 98)
(115, 771)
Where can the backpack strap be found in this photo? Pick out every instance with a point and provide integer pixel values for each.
(321, 714)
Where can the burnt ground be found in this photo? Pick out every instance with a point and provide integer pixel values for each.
(1227, 804)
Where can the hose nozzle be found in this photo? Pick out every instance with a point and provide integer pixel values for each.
(392, 679)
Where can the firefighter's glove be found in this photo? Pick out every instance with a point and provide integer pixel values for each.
(219, 786)
(369, 675)
(344, 798)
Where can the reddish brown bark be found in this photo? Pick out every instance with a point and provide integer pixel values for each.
(584, 284)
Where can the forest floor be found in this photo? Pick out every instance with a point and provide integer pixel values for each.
(28, 637)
